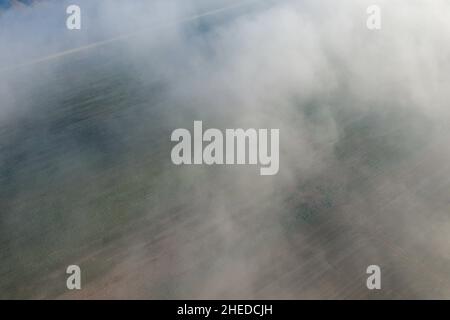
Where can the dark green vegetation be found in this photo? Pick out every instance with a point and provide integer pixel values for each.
(76, 166)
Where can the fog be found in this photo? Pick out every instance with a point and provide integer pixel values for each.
(86, 176)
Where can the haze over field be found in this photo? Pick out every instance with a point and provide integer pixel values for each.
(86, 176)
